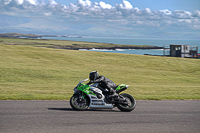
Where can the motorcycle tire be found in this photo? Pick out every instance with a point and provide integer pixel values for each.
(131, 103)
(78, 105)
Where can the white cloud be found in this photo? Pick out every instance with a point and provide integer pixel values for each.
(122, 15)
(166, 12)
(196, 13)
(85, 3)
(52, 2)
(126, 5)
(104, 5)
(7, 2)
(182, 14)
(33, 2)
(48, 14)
(147, 10)
(20, 2)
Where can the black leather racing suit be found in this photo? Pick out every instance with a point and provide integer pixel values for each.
(104, 83)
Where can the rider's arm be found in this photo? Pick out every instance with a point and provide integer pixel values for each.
(89, 83)
(101, 78)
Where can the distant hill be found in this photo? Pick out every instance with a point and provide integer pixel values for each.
(19, 35)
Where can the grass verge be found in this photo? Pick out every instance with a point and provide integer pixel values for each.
(32, 73)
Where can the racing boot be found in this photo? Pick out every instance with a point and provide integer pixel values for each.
(113, 94)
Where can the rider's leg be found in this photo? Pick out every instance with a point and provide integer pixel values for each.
(112, 93)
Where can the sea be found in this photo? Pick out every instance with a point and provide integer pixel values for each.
(129, 41)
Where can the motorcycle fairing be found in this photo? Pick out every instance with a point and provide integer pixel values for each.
(98, 103)
(85, 89)
(94, 101)
(121, 88)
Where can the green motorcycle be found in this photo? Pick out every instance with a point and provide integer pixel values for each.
(94, 97)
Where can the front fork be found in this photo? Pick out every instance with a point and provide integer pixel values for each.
(81, 96)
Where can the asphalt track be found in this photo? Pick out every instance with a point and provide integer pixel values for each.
(167, 116)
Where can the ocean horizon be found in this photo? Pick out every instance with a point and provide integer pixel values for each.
(129, 41)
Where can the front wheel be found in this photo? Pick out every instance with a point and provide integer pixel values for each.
(79, 103)
(127, 107)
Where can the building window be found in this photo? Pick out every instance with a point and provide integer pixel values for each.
(177, 48)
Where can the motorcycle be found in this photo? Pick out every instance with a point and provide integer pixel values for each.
(94, 97)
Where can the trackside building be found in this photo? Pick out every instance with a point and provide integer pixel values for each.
(183, 51)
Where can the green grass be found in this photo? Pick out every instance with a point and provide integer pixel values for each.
(32, 73)
(61, 44)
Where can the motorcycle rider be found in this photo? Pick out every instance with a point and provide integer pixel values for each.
(103, 82)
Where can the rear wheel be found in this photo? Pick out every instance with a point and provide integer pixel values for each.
(79, 102)
(127, 107)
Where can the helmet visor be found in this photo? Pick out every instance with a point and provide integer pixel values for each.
(92, 76)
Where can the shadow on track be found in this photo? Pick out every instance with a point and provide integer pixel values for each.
(61, 109)
(70, 109)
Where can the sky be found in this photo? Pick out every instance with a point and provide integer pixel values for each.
(190, 5)
(162, 19)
